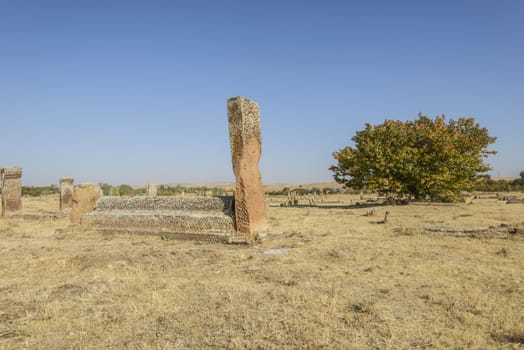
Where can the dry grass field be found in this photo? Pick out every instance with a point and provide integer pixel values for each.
(333, 279)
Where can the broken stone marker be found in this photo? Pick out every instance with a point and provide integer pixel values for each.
(246, 147)
(152, 189)
(84, 200)
(66, 192)
(11, 191)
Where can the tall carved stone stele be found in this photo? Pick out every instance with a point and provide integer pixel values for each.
(11, 191)
(246, 146)
(66, 193)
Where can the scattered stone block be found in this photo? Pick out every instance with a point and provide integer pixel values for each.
(11, 191)
(514, 201)
(246, 147)
(189, 203)
(66, 193)
(84, 200)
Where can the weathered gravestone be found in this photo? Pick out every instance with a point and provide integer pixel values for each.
(151, 189)
(66, 193)
(246, 147)
(11, 191)
(84, 200)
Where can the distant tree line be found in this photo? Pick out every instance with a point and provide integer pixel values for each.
(483, 184)
(305, 191)
(122, 190)
(35, 191)
(486, 184)
(162, 190)
(128, 190)
(166, 190)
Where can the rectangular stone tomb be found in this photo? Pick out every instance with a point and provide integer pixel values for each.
(207, 218)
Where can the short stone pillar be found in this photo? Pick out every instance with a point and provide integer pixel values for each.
(152, 189)
(84, 200)
(246, 147)
(11, 191)
(66, 192)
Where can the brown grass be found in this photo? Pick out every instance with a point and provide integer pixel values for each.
(334, 279)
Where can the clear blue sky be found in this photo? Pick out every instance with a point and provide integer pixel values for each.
(135, 91)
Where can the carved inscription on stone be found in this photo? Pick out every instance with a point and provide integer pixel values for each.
(246, 147)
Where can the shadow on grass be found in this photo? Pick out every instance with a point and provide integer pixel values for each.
(509, 338)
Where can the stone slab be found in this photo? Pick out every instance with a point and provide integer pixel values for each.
(66, 193)
(246, 148)
(11, 190)
(222, 204)
(151, 189)
(84, 200)
(194, 222)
